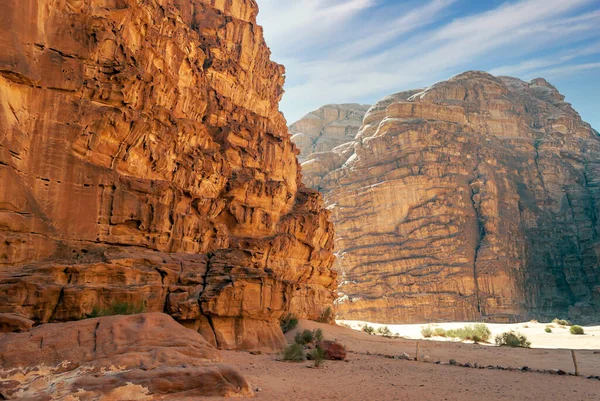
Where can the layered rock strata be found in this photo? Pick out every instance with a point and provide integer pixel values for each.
(326, 128)
(477, 198)
(143, 161)
(114, 358)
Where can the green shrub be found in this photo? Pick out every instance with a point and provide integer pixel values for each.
(439, 332)
(577, 330)
(326, 316)
(512, 339)
(125, 308)
(317, 335)
(117, 308)
(384, 331)
(477, 333)
(294, 353)
(548, 330)
(304, 337)
(426, 332)
(368, 329)
(562, 322)
(318, 356)
(288, 322)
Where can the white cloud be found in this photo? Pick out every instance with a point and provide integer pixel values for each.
(351, 51)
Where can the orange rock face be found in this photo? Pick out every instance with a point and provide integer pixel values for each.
(114, 358)
(143, 160)
(474, 199)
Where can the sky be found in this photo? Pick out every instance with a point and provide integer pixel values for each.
(358, 51)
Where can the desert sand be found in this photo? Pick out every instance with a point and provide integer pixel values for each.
(376, 377)
(560, 338)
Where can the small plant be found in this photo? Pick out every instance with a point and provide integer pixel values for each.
(477, 333)
(548, 329)
(368, 329)
(578, 330)
(96, 312)
(317, 335)
(562, 322)
(426, 332)
(384, 331)
(288, 322)
(304, 337)
(318, 356)
(512, 339)
(439, 332)
(293, 353)
(326, 316)
(125, 308)
(117, 308)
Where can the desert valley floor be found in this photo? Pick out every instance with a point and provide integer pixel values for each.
(369, 375)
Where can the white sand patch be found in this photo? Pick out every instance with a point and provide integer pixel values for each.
(560, 338)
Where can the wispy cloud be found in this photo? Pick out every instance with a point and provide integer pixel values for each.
(359, 50)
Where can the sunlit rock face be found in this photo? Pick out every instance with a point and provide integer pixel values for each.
(323, 136)
(476, 198)
(143, 160)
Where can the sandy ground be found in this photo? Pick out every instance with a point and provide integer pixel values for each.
(374, 377)
(560, 338)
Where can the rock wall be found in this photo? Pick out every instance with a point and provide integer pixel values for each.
(143, 161)
(326, 128)
(476, 198)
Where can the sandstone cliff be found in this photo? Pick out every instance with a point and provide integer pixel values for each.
(475, 198)
(143, 161)
(324, 129)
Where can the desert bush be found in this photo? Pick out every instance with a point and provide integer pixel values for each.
(318, 356)
(384, 331)
(548, 330)
(288, 322)
(512, 339)
(477, 333)
(427, 331)
(326, 316)
(577, 330)
(304, 337)
(293, 353)
(117, 308)
(317, 335)
(368, 329)
(439, 332)
(562, 322)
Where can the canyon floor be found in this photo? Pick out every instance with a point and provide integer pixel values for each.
(374, 377)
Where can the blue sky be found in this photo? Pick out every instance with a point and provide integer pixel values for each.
(346, 51)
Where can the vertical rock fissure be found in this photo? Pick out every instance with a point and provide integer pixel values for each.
(536, 145)
(209, 255)
(479, 240)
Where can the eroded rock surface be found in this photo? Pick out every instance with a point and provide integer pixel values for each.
(475, 198)
(114, 358)
(143, 160)
(326, 128)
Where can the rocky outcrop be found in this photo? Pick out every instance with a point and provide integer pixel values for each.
(143, 161)
(476, 198)
(326, 128)
(114, 358)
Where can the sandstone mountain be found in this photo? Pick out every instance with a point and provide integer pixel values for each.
(477, 198)
(325, 128)
(144, 162)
